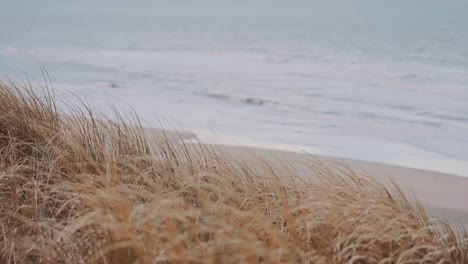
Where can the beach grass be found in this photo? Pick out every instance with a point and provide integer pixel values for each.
(83, 187)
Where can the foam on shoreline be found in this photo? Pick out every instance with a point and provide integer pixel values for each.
(379, 151)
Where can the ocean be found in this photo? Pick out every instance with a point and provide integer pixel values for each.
(376, 80)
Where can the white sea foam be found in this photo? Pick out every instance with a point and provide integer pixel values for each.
(391, 153)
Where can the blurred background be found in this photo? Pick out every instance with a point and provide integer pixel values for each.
(383, 81)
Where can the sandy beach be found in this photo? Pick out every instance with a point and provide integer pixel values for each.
(444, 196)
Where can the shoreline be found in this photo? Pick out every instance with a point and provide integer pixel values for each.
(444, 196)
(374, 151)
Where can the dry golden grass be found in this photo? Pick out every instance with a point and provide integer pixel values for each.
(83, 188)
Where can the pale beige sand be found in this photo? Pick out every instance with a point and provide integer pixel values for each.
(444, 196)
